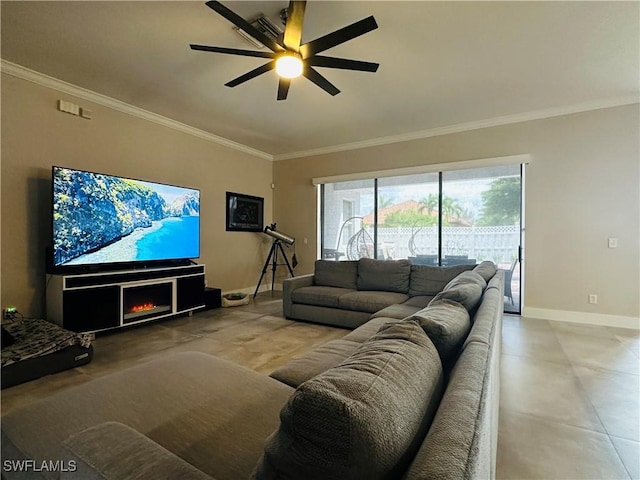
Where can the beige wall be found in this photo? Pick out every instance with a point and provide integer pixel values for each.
(581, 188)
(36, 136)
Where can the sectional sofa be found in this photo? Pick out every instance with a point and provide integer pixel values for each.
(398, 397)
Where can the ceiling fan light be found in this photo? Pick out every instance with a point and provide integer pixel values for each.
(289, 65)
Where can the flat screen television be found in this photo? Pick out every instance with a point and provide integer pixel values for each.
(104, 222)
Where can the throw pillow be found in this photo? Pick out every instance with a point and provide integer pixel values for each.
(447, 324)
(384, 275)
(365, 418)
(336, 274)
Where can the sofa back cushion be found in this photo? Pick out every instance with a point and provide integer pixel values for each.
(467, 277)
(385, 275)
(430, 280)
(447, 324)
(466, 289)
(336, 274)
(365, 418)
(486, 270)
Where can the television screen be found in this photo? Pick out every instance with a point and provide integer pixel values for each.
(103, 219)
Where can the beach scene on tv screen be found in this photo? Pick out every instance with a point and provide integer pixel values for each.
(104, 219)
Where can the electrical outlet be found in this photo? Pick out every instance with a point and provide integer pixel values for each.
(593, 298)
(9, 312)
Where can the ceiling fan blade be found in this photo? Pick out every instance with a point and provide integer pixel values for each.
(241, 23)
(344, 63)
(232, 51)
(320, 81)
(283, 88)
(339, 36)
(252, 74)
(293, 28)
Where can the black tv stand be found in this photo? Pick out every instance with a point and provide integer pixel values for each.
(94, 302)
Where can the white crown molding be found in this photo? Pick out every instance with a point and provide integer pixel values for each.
(582, 317)
(85, 94)
(465, 127)
(91, 96)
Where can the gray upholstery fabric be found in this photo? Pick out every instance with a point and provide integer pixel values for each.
(419, 301)
(307, 366)
(384, 275)
(458, 445)
(467, 294)
(336, 274)
(429, 280)
(486, 270)
(319, 295)
(329, 316)
(115, 451)
(447, 324)
(216, 415)
(467, 277)
(367, 330)
(288, 286)
(397, 310)
(363, 301)
(364, 418)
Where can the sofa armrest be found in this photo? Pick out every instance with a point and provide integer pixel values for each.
(291, 284)
(112, 450)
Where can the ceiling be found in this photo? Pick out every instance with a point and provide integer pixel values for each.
(441, 64)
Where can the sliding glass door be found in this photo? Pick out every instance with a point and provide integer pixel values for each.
(446, 218)
(481, 221)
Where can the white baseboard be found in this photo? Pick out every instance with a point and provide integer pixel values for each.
(582, 317)
(265, 287)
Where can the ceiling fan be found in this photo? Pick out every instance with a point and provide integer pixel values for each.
(288, 56)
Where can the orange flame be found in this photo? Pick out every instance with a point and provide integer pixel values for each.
(143, 307)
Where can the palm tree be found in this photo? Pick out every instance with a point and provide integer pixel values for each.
(384, 202)
(450, 208)
(429, 203)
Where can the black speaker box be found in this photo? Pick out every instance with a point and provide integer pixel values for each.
(212, 298)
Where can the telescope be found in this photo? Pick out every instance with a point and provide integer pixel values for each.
(272, 232)
(278, 239)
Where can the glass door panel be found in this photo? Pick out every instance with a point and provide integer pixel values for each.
(481, 210)
(408, 218)
(348, 220)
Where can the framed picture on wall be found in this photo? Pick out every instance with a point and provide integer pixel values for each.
(244, 213)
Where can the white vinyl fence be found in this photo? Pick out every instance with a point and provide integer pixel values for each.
(496, 243)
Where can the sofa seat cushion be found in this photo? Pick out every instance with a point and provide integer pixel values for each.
(447, 324)
(216, 415)
(397, 310)
(112, 450)
(384, 275)
(336, 274)
(420, 301)
(307, 366)
(371, 302)
(366, 331)
(364, 418)
(319, 295)
(430, 280)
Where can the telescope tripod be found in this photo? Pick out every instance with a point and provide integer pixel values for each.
(273, 258)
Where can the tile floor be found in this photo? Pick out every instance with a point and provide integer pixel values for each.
(570, 394)
(570, 401)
